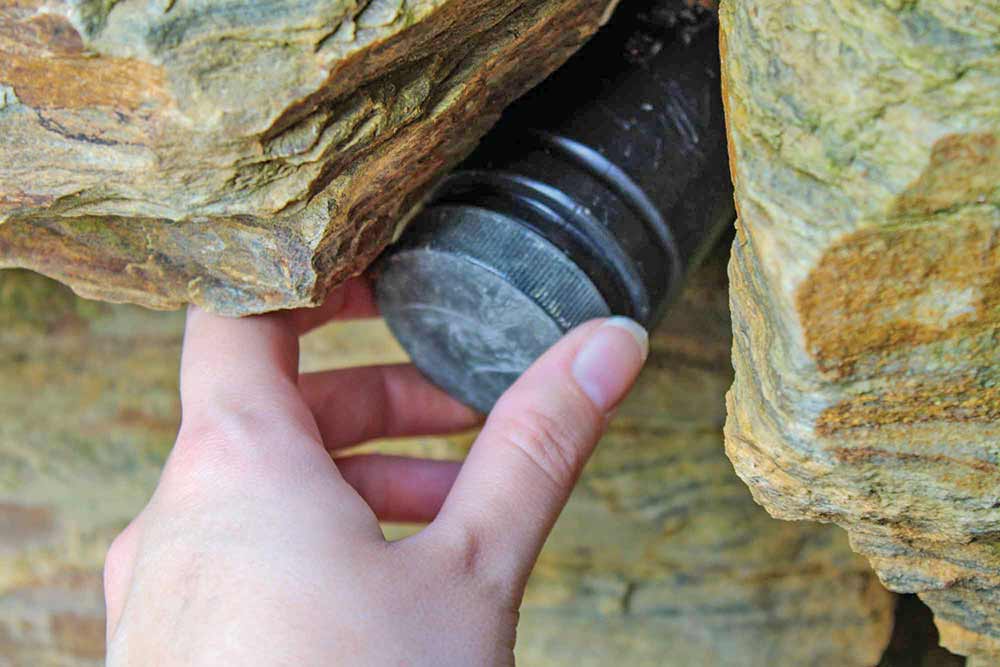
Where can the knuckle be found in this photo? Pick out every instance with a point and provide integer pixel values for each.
(467, 561)
(229, 450)
(228, 412)
(200, 448)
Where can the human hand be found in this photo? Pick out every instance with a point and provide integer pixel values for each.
(257, 548)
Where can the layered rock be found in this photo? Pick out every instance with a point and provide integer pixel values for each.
(865, 139)
(246, 155)
(88, 411)
(661, 557)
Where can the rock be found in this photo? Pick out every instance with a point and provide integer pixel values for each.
(865, 139)
(661, 558)
(88, 412)
(243, 155)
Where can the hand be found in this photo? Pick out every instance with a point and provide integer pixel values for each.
(257, 548)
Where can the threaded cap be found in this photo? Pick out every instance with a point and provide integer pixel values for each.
(475, 296)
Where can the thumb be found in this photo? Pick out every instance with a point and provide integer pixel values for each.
(522, 468)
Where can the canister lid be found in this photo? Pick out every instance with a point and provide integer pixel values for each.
(475, 296)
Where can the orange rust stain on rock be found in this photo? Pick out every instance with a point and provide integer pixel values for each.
(853, 304)
(24, 523)
(963, 168)
(847, 303)
(79, 636)
(43, 58)
(77, 83)
(963, 400)
(860, 455)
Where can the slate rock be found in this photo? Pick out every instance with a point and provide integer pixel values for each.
(865, 286)
(246, 155)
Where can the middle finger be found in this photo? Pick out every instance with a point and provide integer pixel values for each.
(352, 405)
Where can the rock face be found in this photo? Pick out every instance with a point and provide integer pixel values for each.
(661, 558)
(246, 155)
(88, 411)
(866, 286)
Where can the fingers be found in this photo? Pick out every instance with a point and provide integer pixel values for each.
(236, 366)
(241, 410)
(355, 299)
(249, 366)
(525, 462)
(399, 488)
(241, 359)
(353, 405)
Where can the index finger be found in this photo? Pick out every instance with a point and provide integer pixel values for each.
(239, 366)
(252, 362)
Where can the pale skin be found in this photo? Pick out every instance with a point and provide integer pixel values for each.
(258, 548)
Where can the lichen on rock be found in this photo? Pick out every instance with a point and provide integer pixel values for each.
(865, 140)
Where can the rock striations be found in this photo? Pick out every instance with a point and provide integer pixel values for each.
(246, 155)
(661, 559)
(865, 278)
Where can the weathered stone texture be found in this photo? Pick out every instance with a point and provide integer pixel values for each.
(661, 558)
(246, 155)
(865, 139)
(88, 410)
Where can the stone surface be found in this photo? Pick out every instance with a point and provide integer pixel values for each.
(88, 411)
(866, 286)
(246, 155)
(661, 558)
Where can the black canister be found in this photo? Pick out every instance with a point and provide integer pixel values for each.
(593, 196)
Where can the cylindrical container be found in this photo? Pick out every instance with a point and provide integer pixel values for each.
(593, 196)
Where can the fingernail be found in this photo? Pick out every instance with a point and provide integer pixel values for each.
(608, 363)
